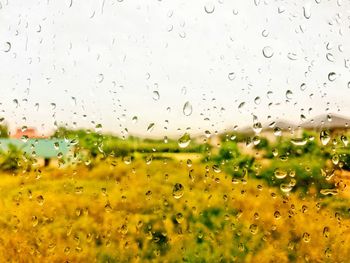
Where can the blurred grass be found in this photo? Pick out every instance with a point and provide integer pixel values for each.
(127, 213)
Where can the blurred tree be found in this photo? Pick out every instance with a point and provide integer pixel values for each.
(4, 132)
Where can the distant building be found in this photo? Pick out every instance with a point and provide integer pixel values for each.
(45, 150)
(28, 132)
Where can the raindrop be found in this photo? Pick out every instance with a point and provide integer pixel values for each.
(289, 94)
(56, 145)
(325, 137)
(240, 106)
(333, 191)
(277, 215)
(303, 87)
(187, 109)
(307, 11)
(345, 140)
(306, 237)
(292, 56)
(299, 141)
(53, 106)
(267, 52)
(330, 57)
(98, 127)
(257, 127)
(207, 134)
(209, 8)
(279, 173)
(183, 90)
(108, 207)
(257, 100)
(7, 47)
(127, 159)
(156, 95)
(332, 76)
(277, 131)
(149, 159)
(134, 119)
(189, 162)
(286, 188)
(253, 229)
(100, 78)
(178, 191)
(216, 168)
(326, 232)
(184, 140)
(150, 127)
(40, 200)
(231, 76)
(15, 101)
(179, 218)
(265, 33)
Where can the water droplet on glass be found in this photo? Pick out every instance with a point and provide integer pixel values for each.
(306, 237)
(156, 95)
(286, 188)
(127, 159)
(289, 94)
(100, 78)
(257, 127)
(184, 140)
(149, 159)
(98, 127)
(332, 191)
(330, 57)
(150, 127)
(303, 87)
(325, 137)
(292, 56)
(265, 33)
(267, 52)
(277, 131)
(187, 109)
(280, 173)
(179, 218)
(231, 76)
(178, 191)
(216, 168)
(345, 140)
(257, 100)
(40, 200)
(134, 119)
(7, 47)
(15, 101)
(207, 134)
(189, 162)
(108, 207)
(241, 105)
(209, 8)
(56, 145)
(299, 141)
(253, 228)
(307, 11)
(332, 76)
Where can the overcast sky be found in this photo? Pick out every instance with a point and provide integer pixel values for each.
(80, 63)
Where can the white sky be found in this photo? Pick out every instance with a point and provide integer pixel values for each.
(59, 49)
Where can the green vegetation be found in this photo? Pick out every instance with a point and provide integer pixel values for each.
(118, 200)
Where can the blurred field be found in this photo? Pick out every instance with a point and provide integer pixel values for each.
(118, 212)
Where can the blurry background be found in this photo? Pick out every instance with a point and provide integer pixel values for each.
(128, 64)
